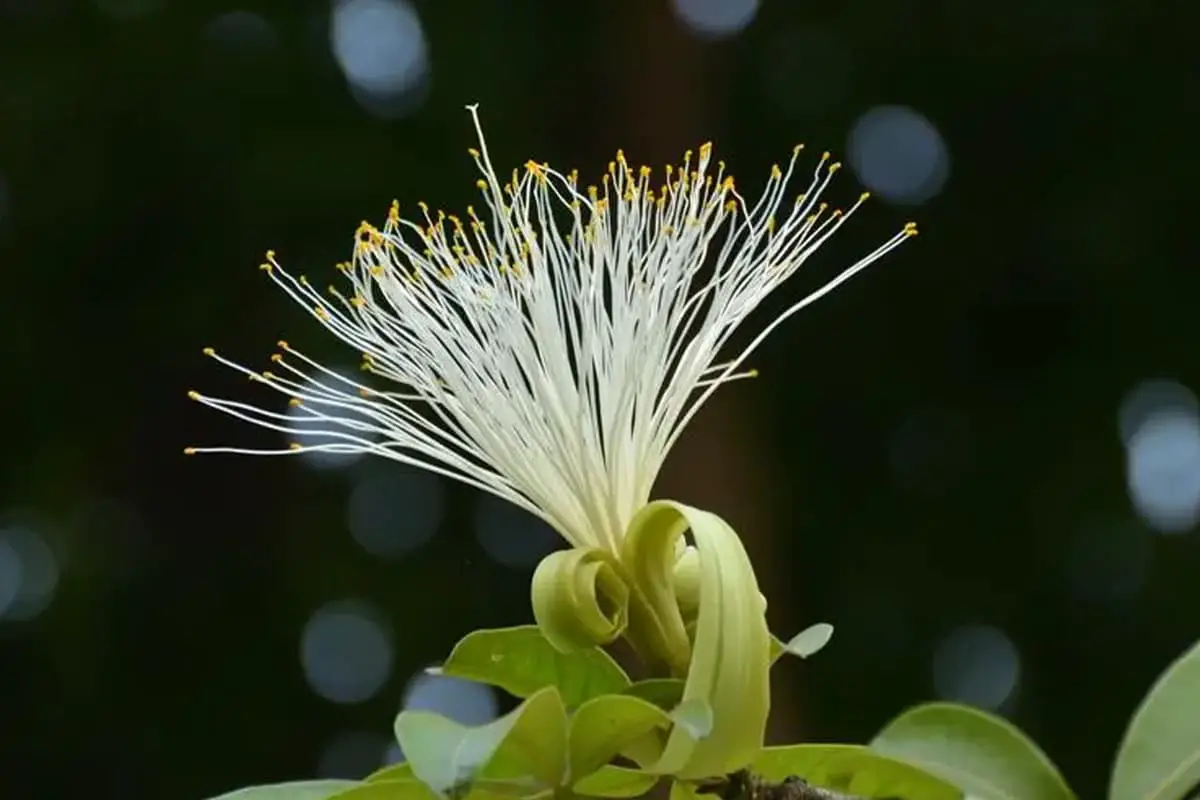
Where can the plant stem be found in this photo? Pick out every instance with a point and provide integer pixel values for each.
(744, 786)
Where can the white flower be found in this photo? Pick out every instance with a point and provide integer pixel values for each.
(551, 349)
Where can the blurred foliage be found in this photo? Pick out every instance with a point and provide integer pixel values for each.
(146, 167)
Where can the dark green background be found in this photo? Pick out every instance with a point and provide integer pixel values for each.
(149, 163)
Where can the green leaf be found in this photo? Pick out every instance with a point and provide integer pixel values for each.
(984, 755)
(853, 770)
(602, 727)
(610, 781)
(528, 741)
(409, 789)
(804, 644)
(295, 790)
(1159, 758)
(400, 771)
(666, 693)
(521, 661)
(683, 791)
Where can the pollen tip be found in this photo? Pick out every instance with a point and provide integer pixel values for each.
(189, 451)
(752, 373)
(270, 255)
(265, 266)
(295, 402)
(193, 394)
(208, 351)
(295, 447)
(282, 344)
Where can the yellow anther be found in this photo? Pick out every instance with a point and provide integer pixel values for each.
(189, 451)
(825, 156)
(208, 351)
(862, 198)
(282, 344)
(796, 150)
(364, 392)
(834, 167)
(295, 402)
(705, 151)
(481, 183)
(752, 373)
(270, 255)
(730, 205)
(193, 394)
(277, 358)
(910, 229)
(394, 211)
(265, 266)
(645, 171)
(424, 207)
(727, 184)
(621, 157)
(295, 446)
(473, 152)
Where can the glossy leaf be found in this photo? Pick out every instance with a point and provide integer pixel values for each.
(1159, 757)
(853, 770)
(683, 791)
(400, 771)
(604, 726)
(408, 789)
(804, 644)
(666, 693)
(529, 741)
(610, 781)
(521, 661)
(295, 790)
(984, 755)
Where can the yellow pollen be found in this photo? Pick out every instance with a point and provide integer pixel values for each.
(294, 446)
(208, 351)
(193, 394)
(189, 451)
(295, 402)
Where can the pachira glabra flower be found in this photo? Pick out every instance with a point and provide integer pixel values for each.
(550, 349)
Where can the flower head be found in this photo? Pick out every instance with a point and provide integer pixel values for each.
(551, 347)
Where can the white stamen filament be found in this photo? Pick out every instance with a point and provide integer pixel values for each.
(552, 353)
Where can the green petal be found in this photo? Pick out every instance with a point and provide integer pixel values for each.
(579, 599)
(729, 659)
(522, 661)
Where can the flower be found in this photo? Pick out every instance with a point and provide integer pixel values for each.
(552, 349)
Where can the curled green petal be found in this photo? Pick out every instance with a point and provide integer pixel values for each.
(687, 582)
(579, 599)
(729, 657)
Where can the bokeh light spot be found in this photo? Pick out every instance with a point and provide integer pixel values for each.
(352, 755)
(1163, 469)
(978, 665)
(299, 419)
(29, 573)
(715, 19)
(346, 652)
(898, 154)
(511, 535)
(381, 48)
(395, 509)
